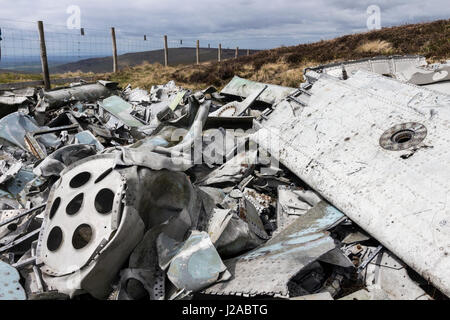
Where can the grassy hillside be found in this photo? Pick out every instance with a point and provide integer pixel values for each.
(284, 66)
(7, 76)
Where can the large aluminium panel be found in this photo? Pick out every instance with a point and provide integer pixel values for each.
(378, 150)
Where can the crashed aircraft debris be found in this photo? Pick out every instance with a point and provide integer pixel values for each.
(333, 190)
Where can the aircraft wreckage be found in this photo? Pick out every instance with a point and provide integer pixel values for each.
(336, 189)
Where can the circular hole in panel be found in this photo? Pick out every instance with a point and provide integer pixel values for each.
(402, 136)
(104, 201)
(75, 204)
(12, 226)
(80, 179)
(82, 236)
(54, 239)
(55, 207)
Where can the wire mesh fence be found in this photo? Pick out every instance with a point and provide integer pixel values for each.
(91, 50)
(20, 48)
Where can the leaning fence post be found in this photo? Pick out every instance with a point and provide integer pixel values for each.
(166, 52)
(237, 52)
(113, 36)
(197, 52)
(44, 61)
(219, 52)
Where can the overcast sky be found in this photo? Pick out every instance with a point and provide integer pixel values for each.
(279, 21)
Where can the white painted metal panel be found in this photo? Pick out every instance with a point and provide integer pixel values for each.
(244, 88)
(333, 145)
(400, 66)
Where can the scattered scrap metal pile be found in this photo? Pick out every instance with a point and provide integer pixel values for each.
(339, 190)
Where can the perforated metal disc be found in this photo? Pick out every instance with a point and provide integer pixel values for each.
(82, 213)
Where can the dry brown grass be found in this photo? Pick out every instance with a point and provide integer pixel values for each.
(146, 75)
(280, 73)
(284, 65)
(376, 46)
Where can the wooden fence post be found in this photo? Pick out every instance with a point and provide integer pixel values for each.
(197, 52)
(114, 44)
(237, 52)
(248, 52)
(166, 52)
(219, 52)
(44, 61)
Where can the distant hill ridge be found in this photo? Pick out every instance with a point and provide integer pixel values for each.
(177, 56)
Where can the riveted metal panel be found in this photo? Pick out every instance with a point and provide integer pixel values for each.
(401, 196)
